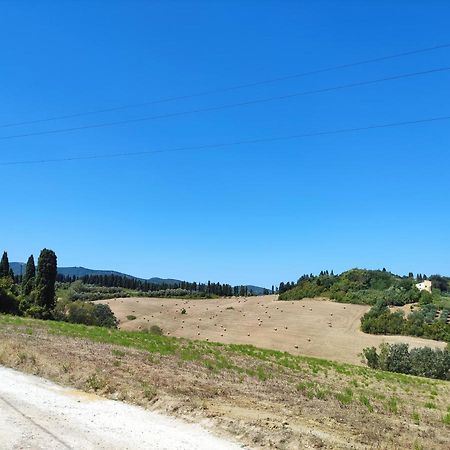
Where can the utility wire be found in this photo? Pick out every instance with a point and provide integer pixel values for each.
(229, 88)
(225, 106)
(230, 144)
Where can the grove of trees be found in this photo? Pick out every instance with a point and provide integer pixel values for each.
(33, 294)
(423, 362)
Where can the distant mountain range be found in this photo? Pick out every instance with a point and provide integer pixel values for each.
(19, 268)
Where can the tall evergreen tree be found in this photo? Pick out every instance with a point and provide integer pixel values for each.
(30, 274)
(4, 266)
(45, 279)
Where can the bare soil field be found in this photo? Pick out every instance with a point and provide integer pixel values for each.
(312, 327)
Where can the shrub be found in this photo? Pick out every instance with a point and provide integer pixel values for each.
(154, 329)
(8, 301)
(86, 313)
(424, 361)
(371, 355)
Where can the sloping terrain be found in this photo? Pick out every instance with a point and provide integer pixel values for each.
(261, 398)
(313, 327)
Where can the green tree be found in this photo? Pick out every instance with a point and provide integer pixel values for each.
(4, 266)
(8, 301)
(45, 280)
(29, 277)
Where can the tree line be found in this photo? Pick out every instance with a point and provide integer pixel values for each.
(421, 322)
(362, 286)
(126, 282)
(422, 362)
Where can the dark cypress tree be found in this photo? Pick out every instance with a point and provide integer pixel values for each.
(45, 279)
(4, 266)
(30, 274)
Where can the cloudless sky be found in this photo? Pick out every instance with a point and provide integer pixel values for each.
(259, 213)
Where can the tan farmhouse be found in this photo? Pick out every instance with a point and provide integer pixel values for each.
(424, 286)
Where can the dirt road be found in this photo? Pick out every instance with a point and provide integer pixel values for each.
(312, 327)
(37, 414)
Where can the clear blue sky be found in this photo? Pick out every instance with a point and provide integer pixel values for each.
(249, 214)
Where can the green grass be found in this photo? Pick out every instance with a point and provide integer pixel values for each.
(366, 402)
(446, 419)
(392, 405)
(345, 397)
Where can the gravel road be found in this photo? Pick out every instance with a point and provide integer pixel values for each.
(38, 414)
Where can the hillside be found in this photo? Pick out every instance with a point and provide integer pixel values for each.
(319, 328)
(264, 398)
(362, 286)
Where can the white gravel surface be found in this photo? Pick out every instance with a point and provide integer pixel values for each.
(38, 414)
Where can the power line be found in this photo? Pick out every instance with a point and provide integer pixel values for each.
(230, 144)
(226, 106)
(229, 88)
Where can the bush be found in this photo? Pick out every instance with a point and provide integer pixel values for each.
(8, 301)
(379, 320)
(424, 361)
(85, 313)
(371, 356)
(154, 329)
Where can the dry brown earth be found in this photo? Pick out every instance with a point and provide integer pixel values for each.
(312, 327)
